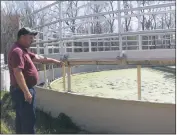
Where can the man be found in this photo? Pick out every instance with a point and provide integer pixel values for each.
(23, 78)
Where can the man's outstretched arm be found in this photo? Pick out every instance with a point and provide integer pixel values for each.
(45, 60)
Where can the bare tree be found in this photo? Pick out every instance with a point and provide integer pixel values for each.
(71, 11)
(110, 7)
(9, 26)
(11, 13)
(127, 5)
(96, 27)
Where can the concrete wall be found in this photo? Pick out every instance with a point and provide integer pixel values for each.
(101, 115)
(131, 54)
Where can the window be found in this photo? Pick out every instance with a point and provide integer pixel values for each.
(107, 49)
(33, 50)
(86, 49)
(69, 50)
(100, 43)
(77, 49)
(114, 48)
(85, 44)
(56, 50)
(114, 44)
(77, 44)
(107, 43)
(94, 49)
(41, 51)
(94, 43)
(69, 44)
(50, 50)
(41, 45)
(100, 49)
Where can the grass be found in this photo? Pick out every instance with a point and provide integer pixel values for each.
(4, 128)
(45, 124)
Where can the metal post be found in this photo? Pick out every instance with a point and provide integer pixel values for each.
(37, 45)
(82, 46)
(53, 74)
(20, 23)
(89, 32)
(45, 77)
(69, 78)
(60, 30)
(139, 81)
(45, 35)
(64, 75)
(139, 28)
(119, 26)
(140, 42)
(72, 44)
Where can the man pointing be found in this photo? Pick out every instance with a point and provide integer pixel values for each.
(23, 78)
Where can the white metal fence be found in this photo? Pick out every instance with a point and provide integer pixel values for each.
(55, 37)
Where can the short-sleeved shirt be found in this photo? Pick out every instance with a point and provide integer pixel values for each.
(20, 57)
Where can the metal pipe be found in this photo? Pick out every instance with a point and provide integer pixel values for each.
(109, 12)
(64, 75)
(36, 11)
(45, 76)
(94, 36)
(149, 13)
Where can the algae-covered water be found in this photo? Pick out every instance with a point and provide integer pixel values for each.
(156, 86)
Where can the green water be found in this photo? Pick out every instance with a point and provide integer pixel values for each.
(156, 86)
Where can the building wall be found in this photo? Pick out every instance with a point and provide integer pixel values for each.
(101, 115)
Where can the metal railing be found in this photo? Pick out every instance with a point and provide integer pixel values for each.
(89, 42)
(66, 69)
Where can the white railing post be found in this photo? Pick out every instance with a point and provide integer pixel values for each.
(89, 32)
(140, 42)
(46, 50)
(64, 77)
(72, 44)
(61, 46)
(45, 76)
(119, 26)
(20, 23)
(45, 36)
(139, 28)
(37, 45)
(53, 74)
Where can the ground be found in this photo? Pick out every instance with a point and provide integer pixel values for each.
(45, 123)
(157, 86)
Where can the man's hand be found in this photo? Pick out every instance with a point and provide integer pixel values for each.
(22, 84)
(60, 63)
(28, 97)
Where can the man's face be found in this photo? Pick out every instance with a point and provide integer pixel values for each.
(27, 40)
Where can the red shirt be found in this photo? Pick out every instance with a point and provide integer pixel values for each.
(22, 58)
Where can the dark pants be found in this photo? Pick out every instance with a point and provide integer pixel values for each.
(25, 112)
